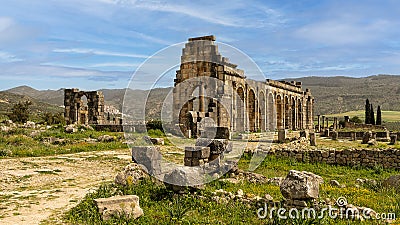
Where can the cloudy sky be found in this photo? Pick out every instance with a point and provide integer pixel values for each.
(93, 44)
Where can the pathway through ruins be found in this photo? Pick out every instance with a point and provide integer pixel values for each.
(37, 189)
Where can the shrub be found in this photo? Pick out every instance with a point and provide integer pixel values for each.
(20, 112)
(154, 125)
(50, 118)
(355, 119)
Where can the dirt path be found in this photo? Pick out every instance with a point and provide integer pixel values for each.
(37, 189)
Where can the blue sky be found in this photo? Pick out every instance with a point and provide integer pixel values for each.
(95, 44)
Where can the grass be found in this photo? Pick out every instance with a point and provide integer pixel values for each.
(162, 206)
(19, 142)
(347, 144)
(387, 116)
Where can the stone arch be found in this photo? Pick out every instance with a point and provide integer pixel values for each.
(83, 109)
(251, 110)
(279, 112)
(271, 112)
(240, 109)
(262, 108)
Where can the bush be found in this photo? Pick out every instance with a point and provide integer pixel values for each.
(50, 118)
(154, 125)
(20, 112)
(355, 119)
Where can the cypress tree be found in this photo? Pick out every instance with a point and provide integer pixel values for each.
(372, 114)
(367, 112)
(379, 116)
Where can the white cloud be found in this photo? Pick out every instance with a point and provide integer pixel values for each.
(6, 57)
(98, 52)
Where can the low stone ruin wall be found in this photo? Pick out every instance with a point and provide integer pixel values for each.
(389, 158)
(119, 128)
(383, 135)
(363, 126)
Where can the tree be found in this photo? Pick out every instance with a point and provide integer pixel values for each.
(355, 119)
(372, 114)
(379, 116)
(367, 112)
(56, 118)
(20, 112)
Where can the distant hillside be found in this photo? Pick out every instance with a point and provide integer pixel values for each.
(332, 94)
(7, 100)
(54, 97)
(342, 94)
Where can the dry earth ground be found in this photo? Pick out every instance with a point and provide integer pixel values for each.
(38, 190)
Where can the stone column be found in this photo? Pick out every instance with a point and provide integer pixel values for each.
(393, 139)
(323, 122)
(201, 99)
(319, 123)
(327, 122)
(313, 140)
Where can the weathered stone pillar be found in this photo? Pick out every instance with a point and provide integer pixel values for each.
(334, 135)
(323, 122)
(353, 136)
(313, 139)
(327, 122)
(282, 133)
(393, 139)
(319, 123)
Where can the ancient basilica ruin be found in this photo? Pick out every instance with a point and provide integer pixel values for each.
(211, 91)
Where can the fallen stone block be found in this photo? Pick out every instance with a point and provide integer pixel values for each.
(127, 205)
(182, 178)
(131, 174)
(217, 146)
(301, 185)
(148, 156)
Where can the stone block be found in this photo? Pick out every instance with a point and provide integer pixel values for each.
(304, 133)
(393, 139)
(367, 137)
(353, 136)
(189, 152)
(216, 133)
(301, 185)
(203, 152)
(282, 134)
(217, 146)
(148, 156)
(334, 135)
(326, 133)
(183, 177)
(127, 205)
(313, 139)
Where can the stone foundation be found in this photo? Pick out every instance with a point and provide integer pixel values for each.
(389, 158)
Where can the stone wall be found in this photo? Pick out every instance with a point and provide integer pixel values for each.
(77, 113)
(389, 158)
(382, 135)
(352, 125)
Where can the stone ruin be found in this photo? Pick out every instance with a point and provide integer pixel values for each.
(76, 112)
(208, 86)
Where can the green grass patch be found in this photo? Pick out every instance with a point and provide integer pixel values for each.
(162, 206)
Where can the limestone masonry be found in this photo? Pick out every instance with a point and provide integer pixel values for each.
(209, 91)
(77, 112)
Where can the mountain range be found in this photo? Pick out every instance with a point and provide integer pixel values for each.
(332, 95)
